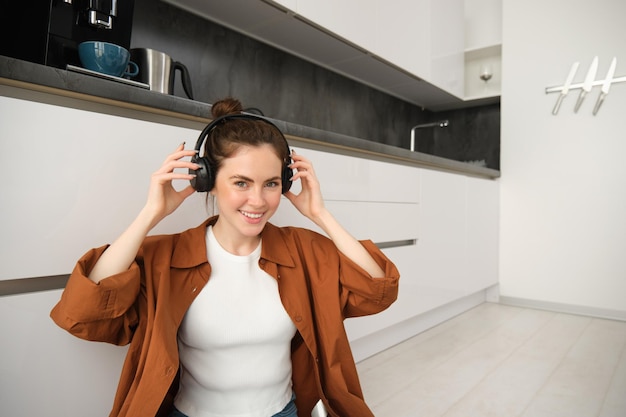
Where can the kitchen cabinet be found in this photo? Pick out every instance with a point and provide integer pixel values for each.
(455, 258)
(404, 36)
(401, 38)
(446, 45)
(441, 257)
(353, 20)
(412, 50)
(483, 23)
(422, 37)
(74, 177)
(482, 233)
(289, 4)
(378, 201)
(351, 178)
(452, 220)
(363, 196)
(458, 245)
(48, 372)
(91, 179)
(483, 48)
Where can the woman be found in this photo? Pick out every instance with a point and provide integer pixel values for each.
(236, 317)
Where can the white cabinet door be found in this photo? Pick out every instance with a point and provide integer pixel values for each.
(423, 37)
(371, 199)
(36, 353)
(483, 23)
(483, 221)
(483, 48)
(377, 201)
(403, 35)
(91, 179)
(341, 177)
(405, 307)
(350, 178)
(352, 20)
(457, 251)
(393, 182)
(447, 54)
(289, 4)
(440, 259)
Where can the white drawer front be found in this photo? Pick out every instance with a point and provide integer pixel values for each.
(349, 178)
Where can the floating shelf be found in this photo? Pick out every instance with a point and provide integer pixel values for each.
(477, 90)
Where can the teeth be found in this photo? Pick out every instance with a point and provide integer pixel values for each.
(251, 215)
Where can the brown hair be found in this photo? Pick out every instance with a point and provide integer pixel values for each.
(227, 137)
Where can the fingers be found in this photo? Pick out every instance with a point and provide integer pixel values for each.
(175, 160)
(180, 153)
(164, 177)
(302, 165)
(170, 166)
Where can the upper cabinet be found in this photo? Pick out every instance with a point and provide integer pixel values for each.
(290, 4)
(352, 20)
(422, 40)
(410, 49)
(483, 49)
(483, 23)
(447, 45)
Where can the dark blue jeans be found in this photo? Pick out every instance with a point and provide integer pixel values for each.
(290, 410)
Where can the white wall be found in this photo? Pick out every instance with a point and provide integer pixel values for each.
(563, 195)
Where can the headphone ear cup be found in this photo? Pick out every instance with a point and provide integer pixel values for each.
(204, 179)
(286, 178)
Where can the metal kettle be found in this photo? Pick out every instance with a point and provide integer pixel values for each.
(158, 70)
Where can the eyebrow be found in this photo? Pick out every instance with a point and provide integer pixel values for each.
(244, 178)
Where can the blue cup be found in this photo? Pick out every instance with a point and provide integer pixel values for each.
(107, 58)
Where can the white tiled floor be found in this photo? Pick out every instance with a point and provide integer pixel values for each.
(502, 361)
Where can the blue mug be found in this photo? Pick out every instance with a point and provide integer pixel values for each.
(107, 58)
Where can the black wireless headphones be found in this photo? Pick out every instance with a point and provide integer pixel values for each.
(204, 179)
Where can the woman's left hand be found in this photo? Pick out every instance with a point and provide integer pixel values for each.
(309, 201)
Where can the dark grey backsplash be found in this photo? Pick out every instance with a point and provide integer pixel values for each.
(225, 63)
(473, 135)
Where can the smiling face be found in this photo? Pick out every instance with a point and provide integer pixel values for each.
(247, 190)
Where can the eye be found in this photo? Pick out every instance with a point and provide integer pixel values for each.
(241, 184)
(272, 184)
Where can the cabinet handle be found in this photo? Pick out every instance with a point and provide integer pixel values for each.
(395, 243)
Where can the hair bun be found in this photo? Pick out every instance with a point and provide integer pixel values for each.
(226, 106)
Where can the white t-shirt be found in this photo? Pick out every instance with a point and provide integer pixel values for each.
(235, 341)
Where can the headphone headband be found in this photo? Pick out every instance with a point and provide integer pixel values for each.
(205, 176)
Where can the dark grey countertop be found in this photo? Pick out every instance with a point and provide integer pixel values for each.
(28, 75)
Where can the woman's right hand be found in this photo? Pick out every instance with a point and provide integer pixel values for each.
(163, 198)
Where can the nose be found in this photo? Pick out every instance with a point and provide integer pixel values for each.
(256, 197)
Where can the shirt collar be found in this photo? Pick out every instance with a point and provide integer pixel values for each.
(190, 249)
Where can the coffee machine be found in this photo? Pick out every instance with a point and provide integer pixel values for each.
(48, 32)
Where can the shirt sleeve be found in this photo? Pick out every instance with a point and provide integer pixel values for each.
(360, 293)
(103, 312)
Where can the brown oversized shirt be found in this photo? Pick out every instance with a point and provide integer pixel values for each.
(144, 306)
